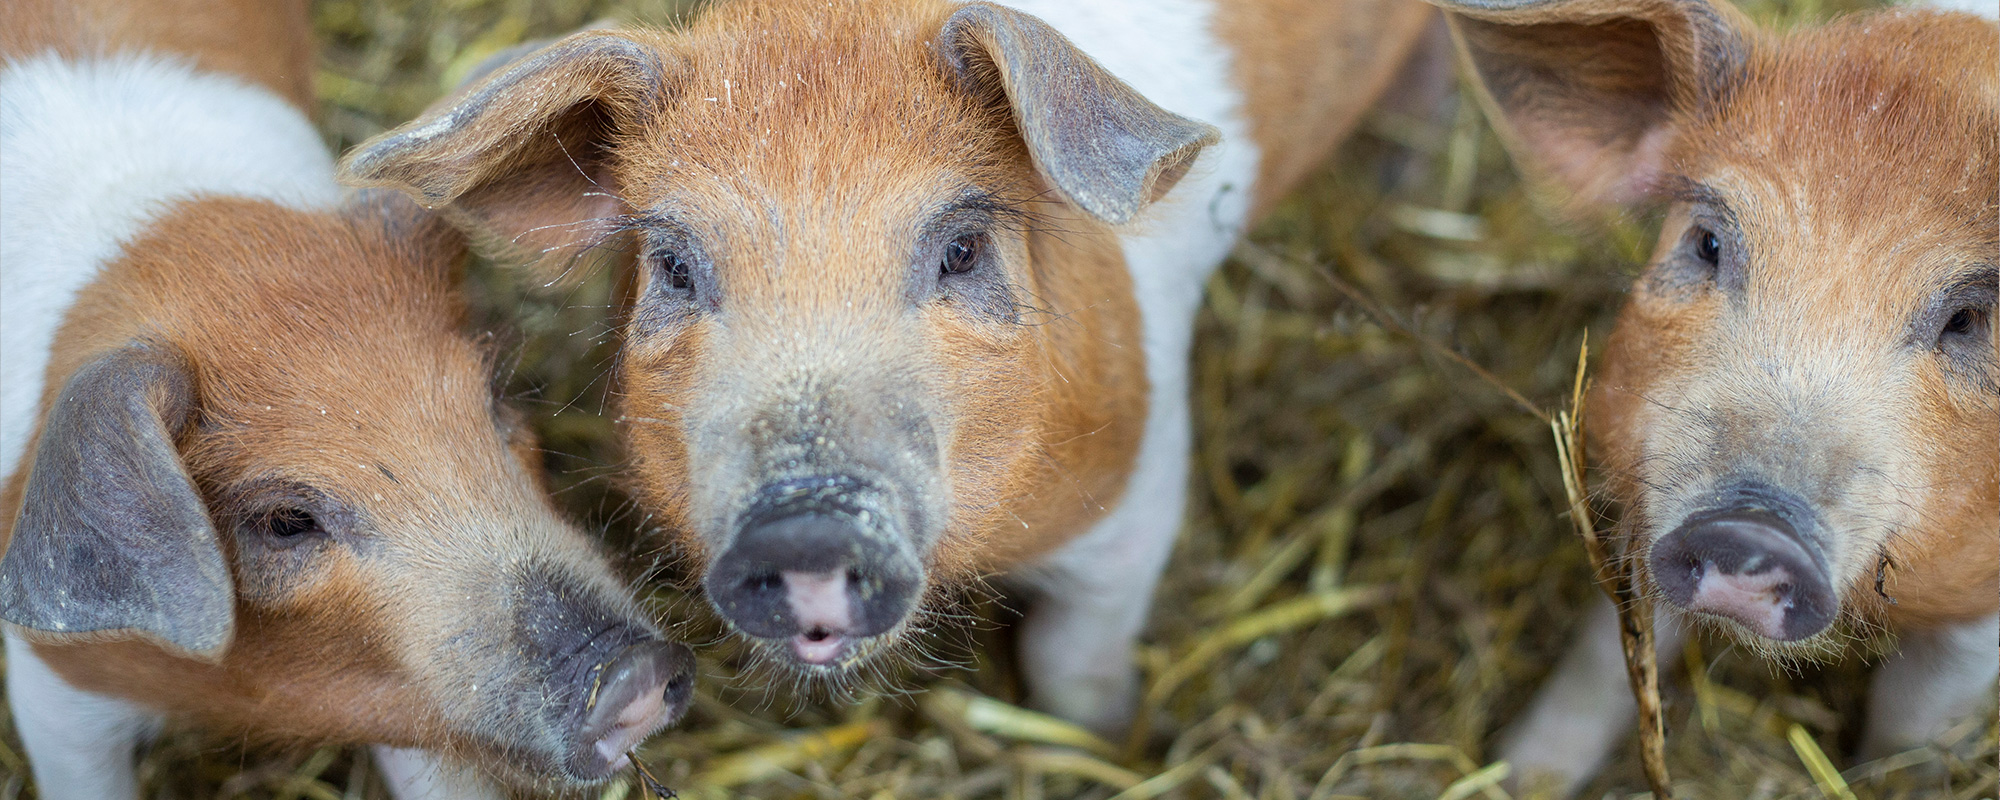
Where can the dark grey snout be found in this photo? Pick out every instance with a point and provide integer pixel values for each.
(607, 679)
(644, 688)
(819, 576)
(1748, 561)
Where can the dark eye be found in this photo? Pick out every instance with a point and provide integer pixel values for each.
(961, 256)
(1966, 322)
(673, 272)
(1707, 246)
(290, 523)
(1961, 323)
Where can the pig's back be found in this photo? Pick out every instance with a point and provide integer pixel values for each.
(93, 150)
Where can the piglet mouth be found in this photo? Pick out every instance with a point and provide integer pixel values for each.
(820, 604)
(818, 647)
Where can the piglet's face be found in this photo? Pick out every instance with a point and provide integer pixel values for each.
(861, 232)
(357, 545)
(830, 365)
(1798, 408)
(1797, 404)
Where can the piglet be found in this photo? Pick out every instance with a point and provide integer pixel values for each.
(915, 285)
(1799, 408)
(258, 478)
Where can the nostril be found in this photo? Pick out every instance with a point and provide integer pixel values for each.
(678, 691)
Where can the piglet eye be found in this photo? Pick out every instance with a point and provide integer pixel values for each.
(1960, 322)
(290, 523)
(961, 255)
(1963, 323)
(671, 270)
(1707, 246)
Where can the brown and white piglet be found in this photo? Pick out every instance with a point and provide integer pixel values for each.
(1799, 408)
(915, 283)
(259, 480)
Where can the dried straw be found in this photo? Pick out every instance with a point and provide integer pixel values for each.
(1375, 575)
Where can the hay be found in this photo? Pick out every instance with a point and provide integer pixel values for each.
(1377, 571)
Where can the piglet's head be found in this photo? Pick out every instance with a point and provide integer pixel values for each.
(865, 235)
(276, 493)
(1799, 406)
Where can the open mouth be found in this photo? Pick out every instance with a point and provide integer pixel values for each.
(818, 647)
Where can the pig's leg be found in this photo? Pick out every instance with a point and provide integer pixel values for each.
(81, 745)
(421, 775)
(1936, 678)
(1077, 639)
(1585, 710)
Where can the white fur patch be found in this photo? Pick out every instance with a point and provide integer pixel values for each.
(1167, 51)
(422, 775)
(80, 745)
(1103, 581)
(1989, 9)
(90, 153)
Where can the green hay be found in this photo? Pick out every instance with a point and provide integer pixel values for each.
(1376, 572)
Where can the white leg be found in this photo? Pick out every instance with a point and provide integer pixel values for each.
(1077, 639)
(1934, 679)
(81, 745)
(422, 775)
(1585, 709)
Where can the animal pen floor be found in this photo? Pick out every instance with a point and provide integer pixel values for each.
(1340, 459)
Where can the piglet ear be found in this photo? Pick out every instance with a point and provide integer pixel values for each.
(522, 159)
(112, 538)
(1589, 92)
(1108, 149)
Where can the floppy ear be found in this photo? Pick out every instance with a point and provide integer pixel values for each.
(1588, 92)
(112, 537)
(1108, 149)
(523, 160)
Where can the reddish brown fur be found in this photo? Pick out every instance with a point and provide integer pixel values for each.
(813, 96)
(268, 42)
(436, 608)
(874, 84)
(312, 667)
(1865, 155)
(1308, 70)
(784, 169)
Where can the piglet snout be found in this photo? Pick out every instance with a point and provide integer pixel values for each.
(1750, 565)
(642, 689)
(818, 581)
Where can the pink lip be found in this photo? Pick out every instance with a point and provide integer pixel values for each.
(635, 723)
(821, 651)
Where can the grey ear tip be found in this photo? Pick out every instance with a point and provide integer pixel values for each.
(359, 164)
(207, 645)
(1109, 213)
(1205, 135)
